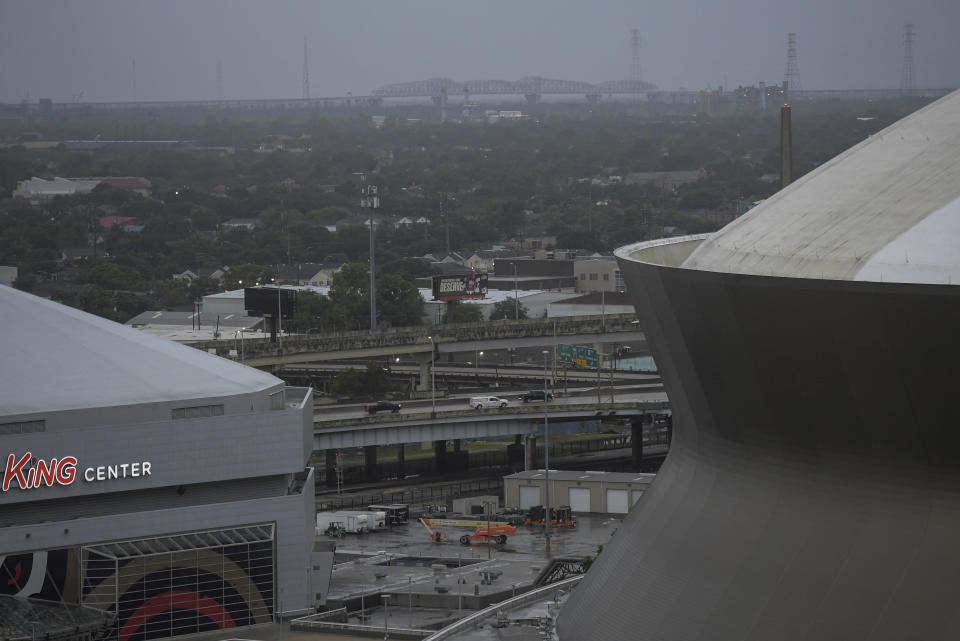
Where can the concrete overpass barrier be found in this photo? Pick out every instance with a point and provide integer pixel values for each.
(415, 339)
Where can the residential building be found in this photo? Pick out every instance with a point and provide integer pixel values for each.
(598, 274)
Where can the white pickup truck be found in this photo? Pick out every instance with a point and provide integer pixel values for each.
(480, 402)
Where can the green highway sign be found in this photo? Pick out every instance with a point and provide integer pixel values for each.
(565, 354)
(586, 357)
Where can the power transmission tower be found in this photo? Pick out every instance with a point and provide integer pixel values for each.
(635, 62)
(792, 74)
(907, 82)
(306, 72)
(219, 82)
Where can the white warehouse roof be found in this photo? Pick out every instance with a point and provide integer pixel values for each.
(887, 209)
(58, 358)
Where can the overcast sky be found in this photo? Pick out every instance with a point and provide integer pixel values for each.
(57, 48)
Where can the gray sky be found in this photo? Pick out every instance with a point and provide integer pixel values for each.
(56, 48)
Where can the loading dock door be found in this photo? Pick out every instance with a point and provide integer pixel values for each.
(617, 502)
(529, 496)
(580, 499)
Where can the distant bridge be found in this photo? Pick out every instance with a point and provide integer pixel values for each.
(529, 86)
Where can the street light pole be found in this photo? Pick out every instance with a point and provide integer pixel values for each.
(516, 295)
(386, 614)
(546, 452)
(476, 369)
(433, 381)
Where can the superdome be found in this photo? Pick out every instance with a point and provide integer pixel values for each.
(59, 358)
(809, 351)
(886, 210)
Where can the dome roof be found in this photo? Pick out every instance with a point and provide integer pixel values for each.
(59, 358)
(887, 210)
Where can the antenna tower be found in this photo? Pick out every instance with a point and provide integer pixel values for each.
(792, 74)
(907, 82)
(635, 61)
(219, 81)
(306, 72)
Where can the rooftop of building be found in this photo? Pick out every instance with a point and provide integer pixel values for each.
(68, 359)
(886, 210)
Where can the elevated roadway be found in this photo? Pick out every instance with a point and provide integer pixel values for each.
(336, 429)
(424, 340)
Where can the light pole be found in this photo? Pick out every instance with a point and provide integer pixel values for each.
(486, 505)
(386, 614)
(433, 381)
(516, 295)
(410, 601)
(476, 369)
(546, 452)
(459, 586)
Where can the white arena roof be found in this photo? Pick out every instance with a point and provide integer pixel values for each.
(887, 209)
(59, 358)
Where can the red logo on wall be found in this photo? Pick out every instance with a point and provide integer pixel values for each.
(53, 472)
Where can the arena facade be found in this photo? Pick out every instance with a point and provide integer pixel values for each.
(810, 351)
(164, 486)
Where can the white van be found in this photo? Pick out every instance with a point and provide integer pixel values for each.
(480, 402)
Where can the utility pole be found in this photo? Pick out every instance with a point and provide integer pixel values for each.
(546, 453)
(306, 72)
(907, 82)
(370, 200)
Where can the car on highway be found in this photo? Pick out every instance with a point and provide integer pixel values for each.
(480, 402)
(535, 395)
(381, 406)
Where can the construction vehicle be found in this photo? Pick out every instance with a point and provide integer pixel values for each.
(436, 537)
(495, 533)
(560, 516)
(335, 528)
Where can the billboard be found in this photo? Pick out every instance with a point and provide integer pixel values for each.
(258, 301)
(459, 287)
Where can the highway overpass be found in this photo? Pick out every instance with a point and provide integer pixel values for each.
(338, 428)
(424, 340)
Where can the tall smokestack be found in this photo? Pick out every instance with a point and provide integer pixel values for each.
(786, 147)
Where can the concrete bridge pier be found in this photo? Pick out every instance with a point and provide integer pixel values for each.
(330, 463)
(425, 361)
(370, 462)
(515, 452)
(636, 439)
(440, 455)
(458, 459)
(530, 453)
(401, 472)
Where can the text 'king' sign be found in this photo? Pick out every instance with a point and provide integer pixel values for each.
(29, 473)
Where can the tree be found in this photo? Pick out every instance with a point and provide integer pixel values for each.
(399, 302)
(461, 313)
(373, 382)
(314, 312)
(508, 309)
(350, 294)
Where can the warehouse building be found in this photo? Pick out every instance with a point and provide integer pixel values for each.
(163, 485)
(600, 492)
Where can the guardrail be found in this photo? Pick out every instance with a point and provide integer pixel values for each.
(558, 410)
(514, 602)
(419, 336)
(328, 622)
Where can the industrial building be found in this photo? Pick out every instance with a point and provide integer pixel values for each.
(602, 492)
(809, 350)
(161, 484)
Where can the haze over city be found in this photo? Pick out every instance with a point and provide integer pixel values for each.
(58, 49)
